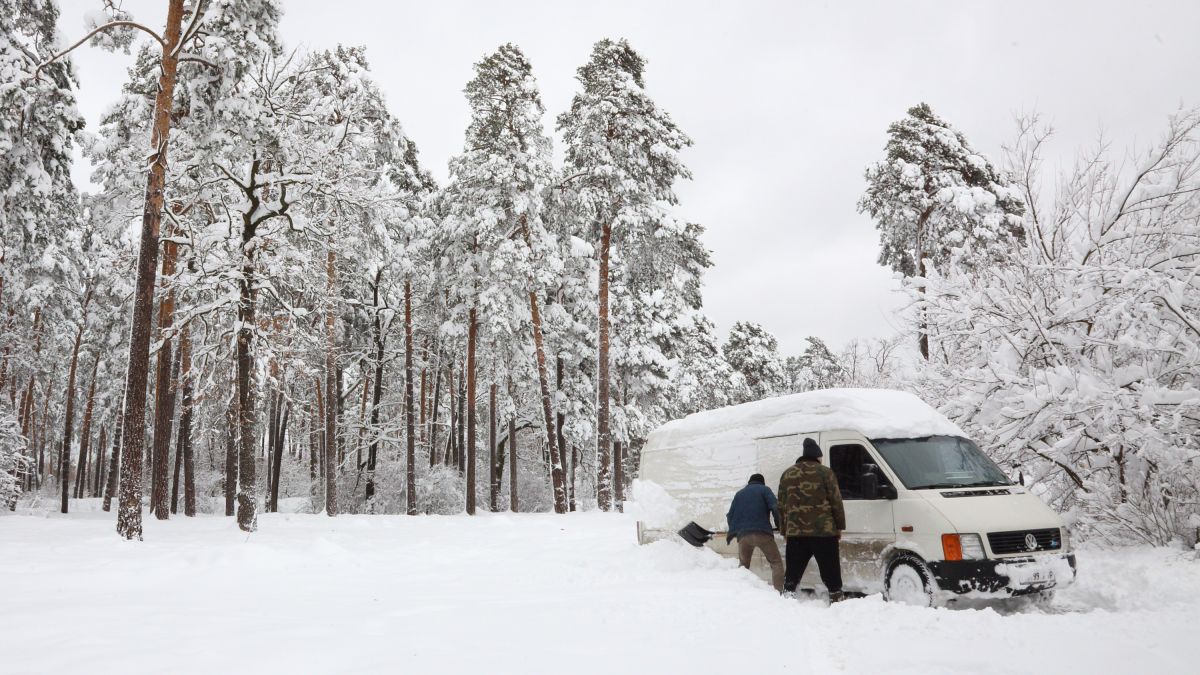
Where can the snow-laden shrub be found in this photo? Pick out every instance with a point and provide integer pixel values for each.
(441, 491)
(12, 461)
(1077, 361)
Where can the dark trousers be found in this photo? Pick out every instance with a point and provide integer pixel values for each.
(824, 549)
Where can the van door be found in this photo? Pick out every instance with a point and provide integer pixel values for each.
(870, 528)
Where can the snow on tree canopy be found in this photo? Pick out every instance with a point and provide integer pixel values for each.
(704, 458)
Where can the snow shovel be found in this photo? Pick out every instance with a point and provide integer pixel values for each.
(696, 535)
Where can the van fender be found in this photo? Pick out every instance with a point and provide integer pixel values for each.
(909, 546)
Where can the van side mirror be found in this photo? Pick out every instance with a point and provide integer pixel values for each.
(870, 485)
(871, 489)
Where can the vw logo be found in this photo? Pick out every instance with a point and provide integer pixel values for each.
(1031, 542)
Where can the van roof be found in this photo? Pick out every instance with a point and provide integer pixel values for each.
(696, 464)
(874, 413)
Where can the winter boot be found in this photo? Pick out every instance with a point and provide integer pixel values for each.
(836, 596)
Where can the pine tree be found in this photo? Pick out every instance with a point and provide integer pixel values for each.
(621, 164)
(753, 352)
(934, 197)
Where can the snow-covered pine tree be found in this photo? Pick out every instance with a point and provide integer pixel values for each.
(933, 197)
(622, 161)
(753, 352)
(497, 186)
(816, 368)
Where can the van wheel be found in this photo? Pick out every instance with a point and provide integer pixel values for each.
(908, 581)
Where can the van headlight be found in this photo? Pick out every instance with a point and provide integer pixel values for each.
(962, 547)
(972, 547)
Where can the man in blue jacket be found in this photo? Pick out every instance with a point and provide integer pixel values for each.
(749, 520)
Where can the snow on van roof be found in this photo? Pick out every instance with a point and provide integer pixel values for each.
(692, 467)
(874, 413)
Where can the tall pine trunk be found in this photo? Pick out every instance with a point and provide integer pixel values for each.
(114, 470)
(472, 337)
(129, 516)
(493, 474)
(433, 417)
(85, 434)
(373, 449)
(232, 434)
(98, 475)
(64, 457)
(603, 434)
(560, 422)
(247, 486)
(557, 482)
(513, 502)
(331, 390)
(277, 452)
(164, 387)
(184, 444)
(410, 469)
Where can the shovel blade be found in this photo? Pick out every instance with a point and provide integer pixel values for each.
(695, 535)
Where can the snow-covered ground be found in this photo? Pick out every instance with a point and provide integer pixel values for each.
(524, 594)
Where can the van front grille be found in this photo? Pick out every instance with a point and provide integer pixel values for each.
(1019, 541)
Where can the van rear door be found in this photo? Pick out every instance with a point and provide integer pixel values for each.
(870, 527)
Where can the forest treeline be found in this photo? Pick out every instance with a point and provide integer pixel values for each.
(270, 297)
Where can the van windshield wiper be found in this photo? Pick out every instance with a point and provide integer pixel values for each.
(986, 483)
(935, 486)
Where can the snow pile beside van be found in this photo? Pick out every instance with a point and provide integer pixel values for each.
(702, 459)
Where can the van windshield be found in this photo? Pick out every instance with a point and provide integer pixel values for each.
(939, 462)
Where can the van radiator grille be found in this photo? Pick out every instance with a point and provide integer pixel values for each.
(1018, 541)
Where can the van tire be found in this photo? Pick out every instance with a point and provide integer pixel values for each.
(908, 580)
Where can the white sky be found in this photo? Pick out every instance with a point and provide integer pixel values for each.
(787, 102)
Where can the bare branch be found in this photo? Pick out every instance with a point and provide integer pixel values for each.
(112, 24)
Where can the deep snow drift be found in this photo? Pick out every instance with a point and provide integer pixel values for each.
(524, 594)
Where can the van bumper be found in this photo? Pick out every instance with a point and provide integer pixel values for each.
(1004, 576)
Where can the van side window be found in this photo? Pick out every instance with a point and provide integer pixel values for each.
(849, 463)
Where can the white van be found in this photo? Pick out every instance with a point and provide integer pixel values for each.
(929, 516)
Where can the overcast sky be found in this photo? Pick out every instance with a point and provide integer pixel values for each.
(787, 102)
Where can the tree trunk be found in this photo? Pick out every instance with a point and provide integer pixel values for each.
(603, 435)
(618, 476)
(184, 444)
(459, 455)
(247, 490)
(114, 470)
(98, 474)
(472, 337)
(558, 484)
(373, 450)
(232, 436)
(923, 331)
(362, 420)
(559, 423)
(331, 391)
(410, 469)
(64, 457)
(433, 418)
(129, 517)
(277, 454)
(512, 463)
(85, 434)
(164, 387)
(424, 402)
(493, 475)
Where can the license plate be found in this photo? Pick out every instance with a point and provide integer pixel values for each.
(1042, 576)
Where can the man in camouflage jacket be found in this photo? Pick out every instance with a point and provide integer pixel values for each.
(813, 520)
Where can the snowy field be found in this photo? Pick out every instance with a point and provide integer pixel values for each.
(524, 594)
